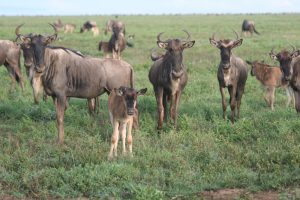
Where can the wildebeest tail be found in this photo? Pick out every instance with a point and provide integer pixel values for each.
(255, 31)
(129, 44)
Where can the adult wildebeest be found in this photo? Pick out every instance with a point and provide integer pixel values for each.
(69, 28)
(90, 25)
(107, 47)
(58, 25)
(249, 27)
(168, 76)
(290, 67)
(111, 24)
(66, 73)
(122, 106)
(117, 42)
(232, 73)
(271, 78)
(10, 58)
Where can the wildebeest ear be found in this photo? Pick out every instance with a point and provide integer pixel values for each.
(188, 44)
(273, 56)
(248, 62)
(118, 92)
(162, 45)
(237, 43)
(214, 42)
(295, 54)
(142, 91)
(51, 38)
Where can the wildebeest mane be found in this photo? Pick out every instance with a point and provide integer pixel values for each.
(66, 50)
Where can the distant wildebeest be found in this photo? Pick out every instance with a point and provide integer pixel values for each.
(69, 28)
(111, 24)
(117, 42)
(168, 76)
(107, 47)
(10, 57)
(271, 78)
(121, 106)
(58, 25)
(232, 74)
(67, 73)
(90, 25)
(290, 67)
(249, 27)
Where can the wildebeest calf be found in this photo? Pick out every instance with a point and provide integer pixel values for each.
(232, 74)
(69, 28)
(271, 78)
(10, 58)
(121, 106)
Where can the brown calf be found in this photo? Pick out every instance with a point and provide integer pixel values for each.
(121, 106)
(69, 28)
(271, 78)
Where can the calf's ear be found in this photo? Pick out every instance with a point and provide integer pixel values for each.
(142, 91)
(118, 92)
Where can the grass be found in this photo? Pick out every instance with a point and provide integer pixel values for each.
(259, 152)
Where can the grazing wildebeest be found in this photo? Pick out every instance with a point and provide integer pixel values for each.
(88, 25)
(69, 28)
(107, 47)
(290, 67)
(168, 76)
(66, 73)
(271, 78)
(10, 58)
(58, 25)
(249, 27)
(122, 106)
(232, 74)
(111, 24)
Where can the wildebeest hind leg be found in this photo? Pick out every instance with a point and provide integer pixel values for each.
(297, 101)
(165, 100)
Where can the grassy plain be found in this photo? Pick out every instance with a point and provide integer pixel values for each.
(261, 151)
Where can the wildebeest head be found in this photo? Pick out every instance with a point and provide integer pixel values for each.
(225, 47)
(254, 65)
(130, 97)
(37, 43)
(174, 48)
(285, 58)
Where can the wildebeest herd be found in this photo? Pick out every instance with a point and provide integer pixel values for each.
(62, 73)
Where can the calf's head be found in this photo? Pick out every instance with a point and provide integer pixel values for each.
(174, 48)
(37, 44)
(129, 96)
(225, 47)
(285, 58)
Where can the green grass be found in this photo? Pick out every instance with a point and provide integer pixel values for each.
(260, 151)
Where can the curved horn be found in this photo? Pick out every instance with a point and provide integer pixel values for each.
(272, 51)
(158, 37)
(236, 34)
(17, 31)
(294, 48)
(54, 29)
(188, 35)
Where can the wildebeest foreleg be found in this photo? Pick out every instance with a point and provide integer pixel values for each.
(122, 130)
(174, 106)
(272, 97)
(160, 108)
(290, 94)
(297, 101)
(60, 112)
(223, 101)
(129, 136)
(232, 92)
(114, 140)
(239, 95)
